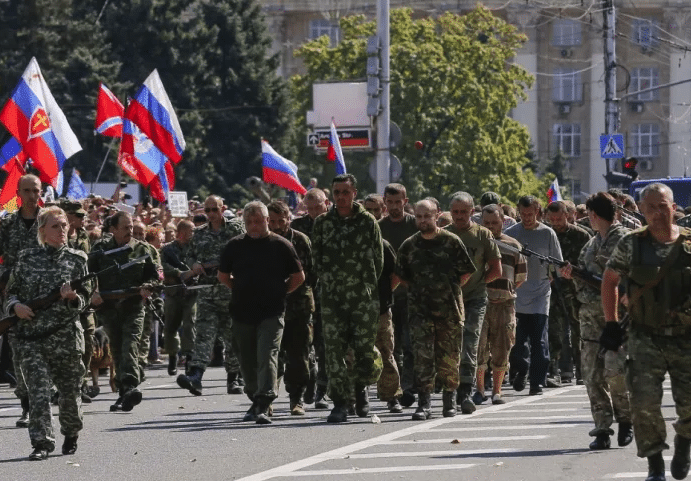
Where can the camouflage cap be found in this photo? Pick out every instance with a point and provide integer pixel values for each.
(72, 207)
(489, 198)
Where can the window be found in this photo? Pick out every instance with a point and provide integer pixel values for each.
(645, 78)
(566, 33)
(645, 140)
(321, 27)
(645, 33)
(567, 139)
(567, 86)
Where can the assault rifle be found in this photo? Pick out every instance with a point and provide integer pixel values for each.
(631, 213)
(134, 291)
(47, 300)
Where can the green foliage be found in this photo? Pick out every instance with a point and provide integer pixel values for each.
(452, 85)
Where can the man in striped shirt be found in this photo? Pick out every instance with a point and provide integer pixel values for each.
(499, 329)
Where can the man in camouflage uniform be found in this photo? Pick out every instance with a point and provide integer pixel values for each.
(656, 262)
(348, 258)
(213, 304)
(50, 342)
(571, 238)
(603, 375)
(297, 332)
(487, 259)
(316, 204)
(123, 319)
(18, 231)
(180, 306)
(434, 265)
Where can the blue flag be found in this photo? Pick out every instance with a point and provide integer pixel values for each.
(77, 190)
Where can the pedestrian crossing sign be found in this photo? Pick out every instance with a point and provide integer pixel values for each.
(612, 146)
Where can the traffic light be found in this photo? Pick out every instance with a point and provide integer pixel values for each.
(618, 179)
(373, 76)
(629, 168)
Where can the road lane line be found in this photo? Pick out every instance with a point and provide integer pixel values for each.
(385, 469)
(470, 440)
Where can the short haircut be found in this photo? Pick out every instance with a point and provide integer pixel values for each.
(184, 224)
(629, 203)
(375, 198)
(44, 215)
(602, 204)
(28, 177)
(152, 233)
(570, 206)
(254, 207)
(557, 206)
(529, 201)
(215, 197)
(434, 201)
(315, 194)
(279, 207)
(345, 178)
(661, 189)
(464, 197)
(115, 218)
(493, 209)
(394, 189)
(429, 201)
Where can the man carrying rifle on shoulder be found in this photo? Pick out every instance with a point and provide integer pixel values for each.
(123, 319)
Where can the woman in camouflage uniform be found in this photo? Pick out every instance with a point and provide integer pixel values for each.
(50, 341)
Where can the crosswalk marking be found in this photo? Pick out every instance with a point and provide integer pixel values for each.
(472, 440)
(558, 410)
(384, 469)
(508, 427)
(529, 418)
(456, 452)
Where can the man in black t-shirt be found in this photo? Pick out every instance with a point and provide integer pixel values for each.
(261, 268)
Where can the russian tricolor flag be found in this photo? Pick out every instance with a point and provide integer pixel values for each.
(280, 171)
(554, 194)
(334, 152)
(109, 113)
(152, 112)
(36, 121)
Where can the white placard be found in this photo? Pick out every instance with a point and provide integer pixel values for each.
(177, 203)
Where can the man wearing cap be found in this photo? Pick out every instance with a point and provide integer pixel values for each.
(489, 198)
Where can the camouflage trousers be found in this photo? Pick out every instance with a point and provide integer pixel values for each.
(213, 319)
(403, 349)
(89, 325)
(54, 360)
(179, 314)
(561, 324)
(436, 344)
(124, 322)
(350, 323)
(650, 357)
(474, 317)
(498, 335)
(20, 391)
(389, 383)
(294, 358)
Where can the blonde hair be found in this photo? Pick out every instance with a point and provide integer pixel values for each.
(42, 220)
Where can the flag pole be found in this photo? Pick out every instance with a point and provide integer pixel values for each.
(98, 176)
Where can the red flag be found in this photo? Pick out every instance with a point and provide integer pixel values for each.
(9, 190)
(109, 112)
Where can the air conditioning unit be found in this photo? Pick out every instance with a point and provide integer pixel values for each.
(564, 109)
(637, 107)
(646, 164)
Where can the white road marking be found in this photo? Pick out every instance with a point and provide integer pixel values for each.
(507, 427)
(456, 452)
(471, 440)
(639, 475)
(558, 410)
(386, 469)
(531, 418)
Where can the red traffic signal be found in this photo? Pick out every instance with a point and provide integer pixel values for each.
(629, 167)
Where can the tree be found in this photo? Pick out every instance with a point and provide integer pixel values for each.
(452, 86)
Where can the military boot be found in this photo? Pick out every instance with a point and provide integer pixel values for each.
(601, 442)
(656, 468)
(408, 398)
(232, 384)
(193, 382)
(131, 398)
(117, 405)
(70, 445)
(339, 414)
(23, 421)
(362, 401)
(263, 412)
(172, 364)
(625, 434)
(424, 406)
(464, 400)
(682, 459)
(319, 401)
(554, 377)
(449, 406)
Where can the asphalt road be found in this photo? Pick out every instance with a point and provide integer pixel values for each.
(173, 435)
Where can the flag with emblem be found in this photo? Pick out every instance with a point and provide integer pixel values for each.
(35, 120)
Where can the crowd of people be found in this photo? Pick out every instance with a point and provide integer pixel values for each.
(342, 293)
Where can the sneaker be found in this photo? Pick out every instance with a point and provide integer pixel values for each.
(394, 406)
(497, 399)
(297, 409)
(479, 398)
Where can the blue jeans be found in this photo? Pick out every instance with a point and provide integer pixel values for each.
(530, 354)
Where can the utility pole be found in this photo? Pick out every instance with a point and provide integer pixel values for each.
(611, 104)
(384, 118)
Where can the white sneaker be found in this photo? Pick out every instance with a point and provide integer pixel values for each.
(497, 399)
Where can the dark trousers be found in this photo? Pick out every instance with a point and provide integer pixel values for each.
(294, 360)
(530, 354)
(403, 346)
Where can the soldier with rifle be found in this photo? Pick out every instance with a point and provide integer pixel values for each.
(123, 319)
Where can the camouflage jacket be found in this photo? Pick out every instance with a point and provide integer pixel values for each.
(14, 236)
(146, 272)
(173, 257)
(348, 253)
(593, 258)
(39, 271)
(301, 301)
(206, 246)
(80, 241)
(303, 224)
(572, 241)
(433, 268)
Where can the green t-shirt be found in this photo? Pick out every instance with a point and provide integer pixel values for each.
(481, 249)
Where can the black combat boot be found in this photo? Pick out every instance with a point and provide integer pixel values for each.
(70, 445)
(408, 398)
(625, 434)
(682, 459)
(172, 364)
(117, 405)
(23, 421)
(362, 401)
(251, 414)
(601, 442)
(424, 407)
(319, 401)
(339, 414)
(449, 406)
(464, 400)
(232, 384)
(656, 468)
(131, 398)
(193, 382)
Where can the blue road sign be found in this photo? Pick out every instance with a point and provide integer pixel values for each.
(612, 146)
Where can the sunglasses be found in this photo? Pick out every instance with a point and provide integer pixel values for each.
(210, 209)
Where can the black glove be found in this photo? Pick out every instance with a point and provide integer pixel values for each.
(612, 336)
